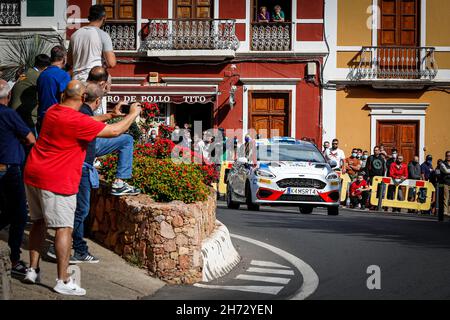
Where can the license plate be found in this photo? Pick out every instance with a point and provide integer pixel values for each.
(302, 191)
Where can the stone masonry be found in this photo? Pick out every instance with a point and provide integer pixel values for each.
(165, 238)
(5, 273)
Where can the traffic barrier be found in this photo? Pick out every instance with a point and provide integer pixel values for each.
(345, 186)
(422, 191)
(225, 168)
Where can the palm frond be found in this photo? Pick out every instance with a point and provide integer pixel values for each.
(20, 53)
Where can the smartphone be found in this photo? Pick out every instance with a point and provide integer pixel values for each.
(125, 109)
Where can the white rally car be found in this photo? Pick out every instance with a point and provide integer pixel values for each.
(284, 171)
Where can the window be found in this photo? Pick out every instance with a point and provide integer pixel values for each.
(120, 10)
(285, 5)
(399, 23)
(40, 8)
(194, 9)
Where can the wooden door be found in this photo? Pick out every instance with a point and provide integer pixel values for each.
(398, 35)
(402, 136)
(269, 113)
(194, 9)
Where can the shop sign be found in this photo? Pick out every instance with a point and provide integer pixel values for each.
(178, 99)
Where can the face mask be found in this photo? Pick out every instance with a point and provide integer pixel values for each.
(354, 155)
(153, 136)
(364, 157)
(430, 162)
(394, 156)
(247, 139)
(399, 162)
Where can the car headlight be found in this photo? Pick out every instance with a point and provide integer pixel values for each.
(264, 173)
(332, 176)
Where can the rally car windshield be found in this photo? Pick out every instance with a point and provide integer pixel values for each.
(286, 152)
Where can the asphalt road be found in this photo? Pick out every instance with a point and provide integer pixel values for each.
(412, 253)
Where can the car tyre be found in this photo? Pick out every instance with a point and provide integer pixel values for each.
(248, 199)
(230, 203)
(333, 211)
(306, 209)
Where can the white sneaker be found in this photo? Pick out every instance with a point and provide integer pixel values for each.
(70, 288)
(32, 276)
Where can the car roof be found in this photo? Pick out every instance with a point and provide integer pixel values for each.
(283, 140)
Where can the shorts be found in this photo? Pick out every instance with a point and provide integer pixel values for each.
(57, 210)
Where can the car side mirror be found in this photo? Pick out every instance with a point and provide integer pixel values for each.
(333, 164)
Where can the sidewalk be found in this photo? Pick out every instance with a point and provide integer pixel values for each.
(110, 279)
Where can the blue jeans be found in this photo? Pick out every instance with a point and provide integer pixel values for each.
(81, 213)
(124, 146)
(13, 208)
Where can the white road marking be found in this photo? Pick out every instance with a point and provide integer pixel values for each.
(273, 290)
(310, 278)
(263, 279)
(273, 271)
(267, 264)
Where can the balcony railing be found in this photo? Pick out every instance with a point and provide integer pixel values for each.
(10, 13)
(123, 35)
(194, 34)
(395, 63)
(272, 36)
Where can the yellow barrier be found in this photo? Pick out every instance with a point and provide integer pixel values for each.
(345, 184)
(393, 190)
(221, 187)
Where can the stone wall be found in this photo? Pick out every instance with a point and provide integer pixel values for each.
(5, 273)
(165, 238)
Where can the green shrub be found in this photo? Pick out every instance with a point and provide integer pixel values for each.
(162, 179)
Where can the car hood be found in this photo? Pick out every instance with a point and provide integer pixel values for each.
(295, 167)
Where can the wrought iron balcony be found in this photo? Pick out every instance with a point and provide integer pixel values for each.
(395, 63)
(193, 34)
(271, 36)
(123, 35)
(10, 13)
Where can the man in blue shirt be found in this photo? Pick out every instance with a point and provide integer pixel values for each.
(427, 168)
(52, 82)
(13, 210)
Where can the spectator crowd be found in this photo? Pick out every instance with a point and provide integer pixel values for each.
(362, 168)
(52, 128)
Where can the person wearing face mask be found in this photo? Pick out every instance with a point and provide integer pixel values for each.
(364, 157)
(414, 173)
(359, 192)
(399, 173)
(390, 161)
(352, 165)
(426, 168)
(326, 146)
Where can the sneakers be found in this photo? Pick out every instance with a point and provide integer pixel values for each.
(20, 269)
(87, 258)
(52, 254)
(70, 288)
(124, 189)
(32, 276)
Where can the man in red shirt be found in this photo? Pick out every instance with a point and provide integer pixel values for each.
(398, 171)
(53, 174)
(359, 191)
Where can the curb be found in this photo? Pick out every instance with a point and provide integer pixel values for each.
(219, 254)
(5, 273)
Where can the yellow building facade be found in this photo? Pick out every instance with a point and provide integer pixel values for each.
(387, 77)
